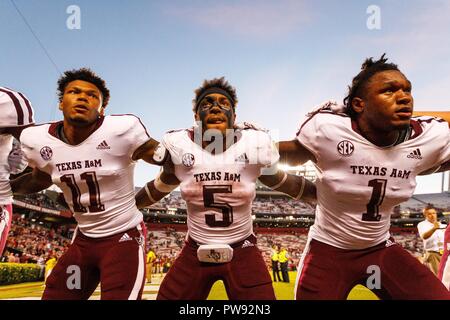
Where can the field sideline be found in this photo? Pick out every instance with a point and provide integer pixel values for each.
(283, 291)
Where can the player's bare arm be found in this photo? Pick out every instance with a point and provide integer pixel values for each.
(293, 153)
(14, 131)
(438, 114)
(430, 232)
(297, 187)
(31, 182)
(146, 152)
(155, 190)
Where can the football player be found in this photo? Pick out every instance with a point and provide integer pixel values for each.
(217, 164)
(91, 158)
(16, 115)
(367, 159)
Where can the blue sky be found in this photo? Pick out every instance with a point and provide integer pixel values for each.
(283, 57)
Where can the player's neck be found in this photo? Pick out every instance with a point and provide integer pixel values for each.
(378, 137)
(74, 135)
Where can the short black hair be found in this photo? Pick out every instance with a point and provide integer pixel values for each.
(368, 69)
(215, 83)
(83, 74)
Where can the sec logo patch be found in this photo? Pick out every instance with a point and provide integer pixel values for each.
(345, 148)
(46, 153)
(188, 160)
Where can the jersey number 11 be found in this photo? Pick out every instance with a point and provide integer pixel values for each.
(94, 192)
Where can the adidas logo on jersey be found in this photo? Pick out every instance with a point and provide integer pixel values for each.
(415, 154)
(242, 158)
(103, 146)
(125, 237)
(247, 244)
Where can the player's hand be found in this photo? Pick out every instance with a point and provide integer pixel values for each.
(331, 105)
(16, 159)
(436, 225)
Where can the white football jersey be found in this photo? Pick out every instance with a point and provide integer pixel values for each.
(219, 189)
(5, 188)
(15, 111)
(96, 176)
(359, 183)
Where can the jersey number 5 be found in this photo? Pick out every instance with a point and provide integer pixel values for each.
(377, 197)
(94, 192)
(227, 210)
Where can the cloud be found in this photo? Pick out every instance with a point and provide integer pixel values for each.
(250, 18)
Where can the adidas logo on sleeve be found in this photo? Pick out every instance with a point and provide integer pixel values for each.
(103, 146)
(415, 154)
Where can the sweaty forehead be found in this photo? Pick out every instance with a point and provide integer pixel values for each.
(216, 96)
(83, 85)
(388, 76)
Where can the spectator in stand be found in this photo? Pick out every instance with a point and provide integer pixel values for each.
(41, 264)
(275, 268)
(432, 233)
(11, 258)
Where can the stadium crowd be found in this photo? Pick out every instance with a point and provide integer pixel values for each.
(30, 242)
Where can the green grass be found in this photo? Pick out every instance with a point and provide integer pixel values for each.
(285, 291)
(28, 289)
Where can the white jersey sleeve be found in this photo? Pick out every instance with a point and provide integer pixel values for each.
(170, 142)
(6, 141)
(434, 131)
(33, 154)
(16, 109)
(311, 135)
(132, 130)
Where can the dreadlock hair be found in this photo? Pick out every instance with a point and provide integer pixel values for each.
(368, 69)
(220, 83)
(83, 74)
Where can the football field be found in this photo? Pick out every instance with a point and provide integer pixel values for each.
(283, 291)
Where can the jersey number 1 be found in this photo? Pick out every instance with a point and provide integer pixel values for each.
(208, 201)
(377, 197)
(94, 192)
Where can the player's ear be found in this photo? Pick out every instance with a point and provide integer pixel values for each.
(60, 106)
(102, 111)
(196, 117)
(358, 105)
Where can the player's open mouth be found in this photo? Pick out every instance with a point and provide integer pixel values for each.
(404, 112)
(216, 120)
(80, 107)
